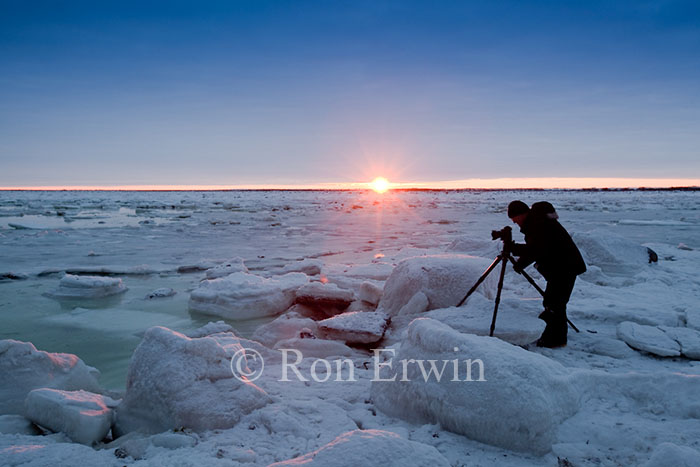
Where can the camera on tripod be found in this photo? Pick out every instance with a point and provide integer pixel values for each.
(505, 234)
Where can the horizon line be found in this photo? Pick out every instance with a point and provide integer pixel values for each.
(524, 183)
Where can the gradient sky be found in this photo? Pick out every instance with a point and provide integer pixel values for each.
(258, 92)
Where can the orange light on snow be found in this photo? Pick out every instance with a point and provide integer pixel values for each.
(379, 184)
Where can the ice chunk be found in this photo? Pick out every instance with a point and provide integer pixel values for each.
(370, 292)
(310, 267)
(324, 295)
(688, 339)
(355, 327)
(610, 252)
(175, 381)
(444, 279)
(229, 267)
(246, 296)
(371, 447)
(486, 403)
(83, 416)
(72, 286)
(286, 326)
(210, 328)
(648, 339)
(516, 321)
(24, 368)
(670, 454)
(161, 293)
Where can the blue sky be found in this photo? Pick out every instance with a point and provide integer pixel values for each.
(253, 92)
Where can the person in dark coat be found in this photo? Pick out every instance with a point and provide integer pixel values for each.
(556, 258)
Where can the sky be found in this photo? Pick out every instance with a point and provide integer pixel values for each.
(233, 93)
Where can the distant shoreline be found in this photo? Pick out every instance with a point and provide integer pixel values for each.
(185, 190)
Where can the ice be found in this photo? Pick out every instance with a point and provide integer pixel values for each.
(209, 329)
(229, 267)
(83, 416)
(318, 294)
(444, 279)
(671, 454)
(610, 252)
(25, 368)
(113, 320)
(137, 446)
(175, 381)
(649, 339)
(241, 296)
(287, 326)
(370, 292)
(75, 287)
(516, 321)
(308, 266)
(518, 405)
(355, 327)
(370, 447)
(688, 339)
(163, 292)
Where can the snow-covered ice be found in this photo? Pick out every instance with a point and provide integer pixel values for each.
(229, 267)
(443, 279)
(24, 368)
(85, 417)
(324, 295)
(355, 327)
(241, 296)
(175, 381)
(72, 286)
(505, 396)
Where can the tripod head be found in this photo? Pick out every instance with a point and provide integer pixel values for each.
(506, 235)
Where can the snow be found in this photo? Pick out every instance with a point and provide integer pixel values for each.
(175, 381)
(25, 368)
(17, 424)
(670, 454)
(83, 416)
(318, 348)
(229, 267)
(72, 286)
(516, 403)
(241, 296)
(370, 447)
(355, 327)
(444, 279)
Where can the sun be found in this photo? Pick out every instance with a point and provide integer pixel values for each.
(379, 184)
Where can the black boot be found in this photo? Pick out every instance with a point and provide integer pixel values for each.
(555, 333)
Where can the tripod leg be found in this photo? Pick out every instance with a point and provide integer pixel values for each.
(498, 297)
(534, 284)
(481, 279)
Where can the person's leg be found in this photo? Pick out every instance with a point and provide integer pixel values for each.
(556, 296)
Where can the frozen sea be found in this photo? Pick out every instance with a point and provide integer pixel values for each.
(153, 240)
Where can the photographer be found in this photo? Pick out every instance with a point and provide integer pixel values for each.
(556, 258)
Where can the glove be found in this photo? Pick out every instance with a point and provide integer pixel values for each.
(517, 267)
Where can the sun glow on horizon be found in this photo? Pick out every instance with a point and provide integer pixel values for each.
(379, 184)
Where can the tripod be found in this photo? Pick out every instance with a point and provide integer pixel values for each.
(504, 234)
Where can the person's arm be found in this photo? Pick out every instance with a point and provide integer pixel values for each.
(525, 256)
